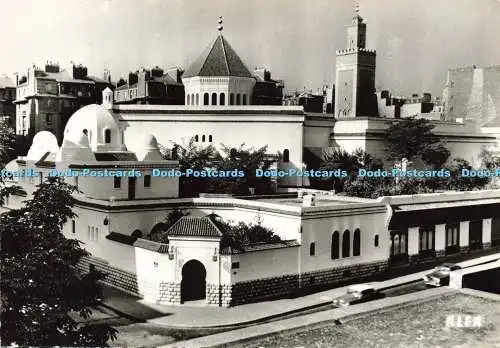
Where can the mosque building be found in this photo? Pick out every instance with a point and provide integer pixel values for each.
(326, 239)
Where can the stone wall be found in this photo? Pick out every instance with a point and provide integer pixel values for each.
(170, 293)
(271, 288)
(115, 277)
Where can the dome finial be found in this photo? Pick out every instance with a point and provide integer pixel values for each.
(220, 27)
(357, 8)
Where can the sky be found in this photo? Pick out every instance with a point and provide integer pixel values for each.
(416, 40)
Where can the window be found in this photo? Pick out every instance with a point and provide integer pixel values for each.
(222, 99)
(286, 156)
(356, 243)
(107, 136)
(452, 234)
(203, 138)
(244, 99)
(197, 99)
(238, 97)
(214, 98)
(335, 245)
(118, 182)
(376, 240)
(96, 236)
(188, 99)
(73, 226)
(426, 239)
(205, 99)
(398, 243)
(235, 265)
(197, 138)
(231, 99)
(346, 243)
(209, 138)
(312, 249)
(147, 180)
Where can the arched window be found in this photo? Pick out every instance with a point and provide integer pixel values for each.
(196, 138)
(107, 136)
(231, 99)
(356, 243)
(244, 99)
(209, 138)
(286, 156)
(197, 99)
(205, 99)
(86, 132)
(312, 249)
(214, 98)
(203, 138)
(238, 97)
(192, 99)
(335, 245)
(188, 99)
(222, 99)
(376, 240)
(346, 243)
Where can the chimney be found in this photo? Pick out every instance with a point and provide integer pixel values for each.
(309, 200)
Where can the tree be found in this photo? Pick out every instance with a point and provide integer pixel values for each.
(39, 285)
(413, 138)
(458, 182)
(7, 143)
(242, 234)
(248, 161)
(121, 82)
(351, 163)
(174, 216)
(192, 156)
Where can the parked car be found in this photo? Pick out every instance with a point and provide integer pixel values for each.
(441, 275)
(356, 294)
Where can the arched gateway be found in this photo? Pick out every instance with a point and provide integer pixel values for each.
(193, 284)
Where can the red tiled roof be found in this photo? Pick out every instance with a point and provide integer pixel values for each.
(194, 226)
(218, 59)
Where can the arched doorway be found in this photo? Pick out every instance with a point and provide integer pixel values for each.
(193, 282)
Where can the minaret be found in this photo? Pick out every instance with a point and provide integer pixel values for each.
(355, 74)
(220, 27)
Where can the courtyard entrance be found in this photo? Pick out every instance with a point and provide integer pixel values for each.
(193, 284)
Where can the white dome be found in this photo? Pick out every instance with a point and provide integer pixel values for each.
(100, 127)
(43, 142)
(149, 142)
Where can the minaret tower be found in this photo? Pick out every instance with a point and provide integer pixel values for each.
(355, 74)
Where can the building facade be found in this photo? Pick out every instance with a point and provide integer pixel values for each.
(472, 93)
(152, 86)
(355, 75)
(7, 97)
(45, 99)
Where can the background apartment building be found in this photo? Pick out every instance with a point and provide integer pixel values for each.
(46, 98)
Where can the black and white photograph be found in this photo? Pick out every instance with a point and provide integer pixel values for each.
(250, 173)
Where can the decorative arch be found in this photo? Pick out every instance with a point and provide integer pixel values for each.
(238, 99)
(206, 99)
(356, 243)
(188, 99)
(222, 99)
(193, 284)
(244, 102)
(214, 98)
(346, 243)
(197, 99)
(335, 245)
(231, 99)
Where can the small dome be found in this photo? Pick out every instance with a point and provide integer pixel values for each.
(83, 141)
(149, 142)
(43, 142)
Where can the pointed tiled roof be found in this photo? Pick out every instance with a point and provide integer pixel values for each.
(218, 59)
(194, 226)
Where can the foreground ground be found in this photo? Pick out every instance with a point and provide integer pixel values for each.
(422, 325)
